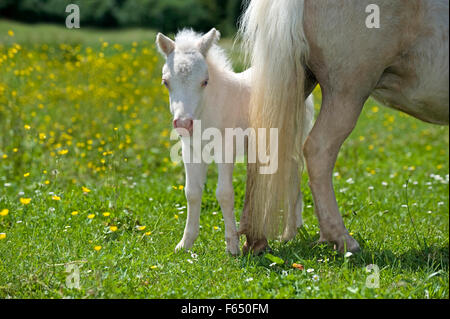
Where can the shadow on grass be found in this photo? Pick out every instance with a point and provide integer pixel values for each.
(430, 258)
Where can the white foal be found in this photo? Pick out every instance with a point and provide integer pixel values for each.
(202, 86)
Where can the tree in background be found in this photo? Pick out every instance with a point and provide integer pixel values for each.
(164, 15)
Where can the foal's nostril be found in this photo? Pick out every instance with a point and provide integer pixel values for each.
(186, 124)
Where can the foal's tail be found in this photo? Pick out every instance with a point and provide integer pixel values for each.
(275, 43)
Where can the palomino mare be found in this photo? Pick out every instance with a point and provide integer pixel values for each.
(204, 89)
(295, 45)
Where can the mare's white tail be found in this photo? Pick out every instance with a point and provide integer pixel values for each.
(274, 39)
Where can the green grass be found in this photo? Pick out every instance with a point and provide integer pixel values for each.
(95, 89)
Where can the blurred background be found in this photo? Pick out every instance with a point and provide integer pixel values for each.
(164, 15)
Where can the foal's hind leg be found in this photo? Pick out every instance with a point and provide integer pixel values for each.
(225, 196)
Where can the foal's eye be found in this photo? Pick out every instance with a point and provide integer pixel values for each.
(205, 83)
(165, 83)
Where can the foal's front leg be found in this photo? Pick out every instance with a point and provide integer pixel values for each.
(195, 180)
(225, 197)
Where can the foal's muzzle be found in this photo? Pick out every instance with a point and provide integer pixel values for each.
(184, 127)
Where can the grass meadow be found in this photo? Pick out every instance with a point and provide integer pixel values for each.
(87, 187)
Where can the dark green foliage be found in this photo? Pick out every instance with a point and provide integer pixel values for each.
(163, 15)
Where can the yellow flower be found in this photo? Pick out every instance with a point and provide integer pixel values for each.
(11, 33)
(26, 174)
(85, 189)
(74, 213)
(148, 233)
(154, 267)
(42, 136)
(91, 216)
(97, 248)
(63, 152)
(4, 212)
(25, 201)
(141, 227)
(375, 109)
(106, 214)
(54, 197)
(2, 236)
(27, 127)
(47, 182)
(113, 228)
(181, 187)
(5, 156)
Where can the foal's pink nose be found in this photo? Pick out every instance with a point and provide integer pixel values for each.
(182, 125)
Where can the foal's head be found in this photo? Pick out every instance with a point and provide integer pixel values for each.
(185, 74)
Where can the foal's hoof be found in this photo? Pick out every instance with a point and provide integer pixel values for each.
(183, 246)
(233, 248)
(256, 248)
(343, 244)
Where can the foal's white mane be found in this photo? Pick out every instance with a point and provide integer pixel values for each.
(187, 41)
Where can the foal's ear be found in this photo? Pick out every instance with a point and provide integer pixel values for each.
(208, 40)
(165, 45)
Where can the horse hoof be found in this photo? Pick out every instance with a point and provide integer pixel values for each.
(257, 247)
(234, 249)
(348, 244)
(182, 246)
(345, 243)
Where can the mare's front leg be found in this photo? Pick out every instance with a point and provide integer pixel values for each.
(195, 180)
(225, 197)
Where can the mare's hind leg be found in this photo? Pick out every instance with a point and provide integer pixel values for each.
(253, 245)
(294, 220)
(299, 210)
(337, 118)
